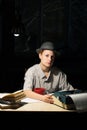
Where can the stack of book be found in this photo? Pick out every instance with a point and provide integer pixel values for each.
(11, 100)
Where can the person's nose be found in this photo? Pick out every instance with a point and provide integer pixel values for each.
(50, 58)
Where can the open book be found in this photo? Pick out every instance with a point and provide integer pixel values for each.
(11, 100)
(73, 99)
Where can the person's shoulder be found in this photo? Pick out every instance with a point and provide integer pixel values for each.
(57, 70)
(33, 67)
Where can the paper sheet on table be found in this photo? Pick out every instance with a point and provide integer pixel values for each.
(80, 101)
(29, 100)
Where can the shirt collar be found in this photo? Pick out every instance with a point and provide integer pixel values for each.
(42, 73)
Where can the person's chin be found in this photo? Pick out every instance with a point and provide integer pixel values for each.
(49, 65)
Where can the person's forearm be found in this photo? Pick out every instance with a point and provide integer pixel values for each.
(34, 95)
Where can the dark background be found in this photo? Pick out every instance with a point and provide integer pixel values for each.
(62, 21)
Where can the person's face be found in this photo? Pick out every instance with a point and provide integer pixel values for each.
(47, 58)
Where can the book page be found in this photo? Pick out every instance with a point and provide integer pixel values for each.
(3, 94)
(30, 100)
(80, 101)
(10, 94)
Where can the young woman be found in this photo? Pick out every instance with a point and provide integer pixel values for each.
(45, 75)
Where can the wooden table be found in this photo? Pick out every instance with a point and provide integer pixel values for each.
(38, 106)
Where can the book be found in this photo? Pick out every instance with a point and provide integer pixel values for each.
(11, 106)
(64, 98)
(11, 100)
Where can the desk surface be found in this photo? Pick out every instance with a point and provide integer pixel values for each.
(29, 104)
(38, 106)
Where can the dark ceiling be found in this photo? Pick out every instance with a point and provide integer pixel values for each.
(60, 21)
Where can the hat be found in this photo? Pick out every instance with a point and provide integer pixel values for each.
(47, 46)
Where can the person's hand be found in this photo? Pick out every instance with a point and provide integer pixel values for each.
(47, 98)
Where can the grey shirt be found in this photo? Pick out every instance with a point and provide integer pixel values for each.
(56, 81)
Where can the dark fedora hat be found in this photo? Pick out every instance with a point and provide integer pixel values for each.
(47, 46)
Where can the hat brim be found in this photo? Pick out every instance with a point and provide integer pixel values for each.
(39, 50)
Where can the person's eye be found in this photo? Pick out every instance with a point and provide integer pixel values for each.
(47, 55)
(52, 57)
